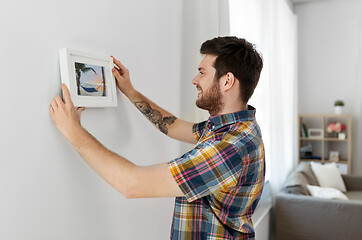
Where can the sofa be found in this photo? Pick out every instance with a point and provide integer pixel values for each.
(300, 216)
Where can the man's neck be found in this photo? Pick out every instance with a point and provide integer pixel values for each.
(231, 109)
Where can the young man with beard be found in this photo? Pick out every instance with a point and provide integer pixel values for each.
(218, 184)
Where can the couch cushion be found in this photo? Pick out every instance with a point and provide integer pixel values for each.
(353, 182)
(305, 168)
(296, 183)
(328, 176)
(299, 190)
(354, 195)
(326, 192)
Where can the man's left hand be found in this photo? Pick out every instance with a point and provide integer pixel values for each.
(64, 115)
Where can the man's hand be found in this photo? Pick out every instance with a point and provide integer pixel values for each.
(64, 115)
(121, 73)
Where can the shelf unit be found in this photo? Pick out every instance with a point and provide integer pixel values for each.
(325, 143)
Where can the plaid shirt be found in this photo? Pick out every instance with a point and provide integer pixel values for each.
(222, 179)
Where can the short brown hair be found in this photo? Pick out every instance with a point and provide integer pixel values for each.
(238, 56)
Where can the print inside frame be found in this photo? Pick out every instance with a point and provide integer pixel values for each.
(89, 78)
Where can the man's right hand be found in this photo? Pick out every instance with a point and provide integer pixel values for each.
(121, 73)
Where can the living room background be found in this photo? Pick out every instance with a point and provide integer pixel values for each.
(330, 62)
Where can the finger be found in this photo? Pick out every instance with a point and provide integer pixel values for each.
(80, 111)
(119, 64)
(116, 73)
(54, 104)
(59, 101)
(51, 111)
(66, 95)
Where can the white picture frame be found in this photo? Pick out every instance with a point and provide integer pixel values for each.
(315, 133)
(334, 156)
(89, 78)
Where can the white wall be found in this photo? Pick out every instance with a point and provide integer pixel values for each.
(330, 62)
(202, 20)
(47, 190)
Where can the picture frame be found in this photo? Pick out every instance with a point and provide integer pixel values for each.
(315, 133)
(88, 77)
(334, 156)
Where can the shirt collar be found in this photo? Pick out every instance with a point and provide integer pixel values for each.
(230, 118)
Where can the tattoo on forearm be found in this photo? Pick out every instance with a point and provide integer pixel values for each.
(155, 116)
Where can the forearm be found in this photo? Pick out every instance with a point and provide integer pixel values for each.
(116, 170)
(129, 179)
(160, 118)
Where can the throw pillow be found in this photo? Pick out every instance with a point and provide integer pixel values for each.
(306, 170)
(296, 183)
(326, 192)
(328, 176)
(298, 190)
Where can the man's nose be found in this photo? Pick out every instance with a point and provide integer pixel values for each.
(195, 80)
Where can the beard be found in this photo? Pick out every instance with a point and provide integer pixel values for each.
(210, 99)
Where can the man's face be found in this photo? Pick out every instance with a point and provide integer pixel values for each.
(209, 96)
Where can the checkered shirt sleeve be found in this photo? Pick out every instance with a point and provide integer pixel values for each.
(210, 167)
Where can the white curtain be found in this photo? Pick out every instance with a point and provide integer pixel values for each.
(272, 26)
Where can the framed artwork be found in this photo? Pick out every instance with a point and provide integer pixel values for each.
(315, 133)
(334, 156)
(89, 78)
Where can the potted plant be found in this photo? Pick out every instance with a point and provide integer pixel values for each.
(338, 105)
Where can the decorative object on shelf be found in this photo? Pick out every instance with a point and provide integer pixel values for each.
(303, 130)
(334, 156)
(336, 128)
(306, 151)
(338, 106)
(341, 136)
(315, 133)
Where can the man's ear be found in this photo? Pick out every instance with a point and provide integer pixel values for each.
(228, 81)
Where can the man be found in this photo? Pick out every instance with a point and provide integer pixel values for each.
(218, 184)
